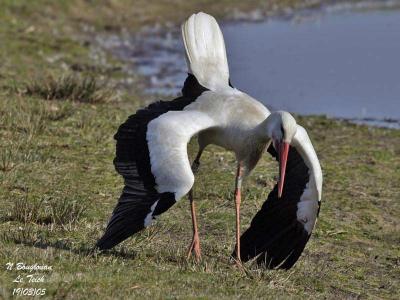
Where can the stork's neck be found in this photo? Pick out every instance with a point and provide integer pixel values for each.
(258, 137)
(255, 144)
(263, 132)
(279, 125)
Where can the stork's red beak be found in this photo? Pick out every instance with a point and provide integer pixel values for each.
(283, 154)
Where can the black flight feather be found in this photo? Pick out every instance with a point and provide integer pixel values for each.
(275, 236)
(132, 161)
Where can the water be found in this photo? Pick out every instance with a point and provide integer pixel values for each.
(343, 63)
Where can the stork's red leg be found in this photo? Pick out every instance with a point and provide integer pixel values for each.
(238, 186)
(195, 245)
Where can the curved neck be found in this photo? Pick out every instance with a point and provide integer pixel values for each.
(264, 130)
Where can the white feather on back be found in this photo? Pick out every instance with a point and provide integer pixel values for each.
(205, 51)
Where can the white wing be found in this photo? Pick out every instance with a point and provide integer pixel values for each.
(167, 137)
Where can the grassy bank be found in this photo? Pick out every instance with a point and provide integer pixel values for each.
(58, 185)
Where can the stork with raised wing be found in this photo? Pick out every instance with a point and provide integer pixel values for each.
(151, 155)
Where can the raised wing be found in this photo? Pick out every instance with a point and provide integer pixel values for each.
(151, 156)
(205, 51)
(280, 230)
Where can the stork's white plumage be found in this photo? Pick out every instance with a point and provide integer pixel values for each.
(152, 156)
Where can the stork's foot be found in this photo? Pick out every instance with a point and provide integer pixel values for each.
(238, 262)
(237, 257)
(195, 248)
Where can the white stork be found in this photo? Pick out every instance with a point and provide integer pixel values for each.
(151, 155)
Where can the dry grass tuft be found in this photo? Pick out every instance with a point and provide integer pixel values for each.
(69, 87)
(6, 163)
(26, 210)
(66, 212)
(58, 210)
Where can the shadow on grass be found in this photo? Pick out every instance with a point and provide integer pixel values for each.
(27, 238)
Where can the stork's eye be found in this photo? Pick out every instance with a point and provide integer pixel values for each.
(282, 132)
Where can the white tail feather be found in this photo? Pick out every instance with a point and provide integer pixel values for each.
(205, 51)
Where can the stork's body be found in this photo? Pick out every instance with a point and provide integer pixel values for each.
(152, 155)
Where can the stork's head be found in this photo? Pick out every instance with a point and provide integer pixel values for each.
(281, 128)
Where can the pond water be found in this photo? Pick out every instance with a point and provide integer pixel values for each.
(344, 63)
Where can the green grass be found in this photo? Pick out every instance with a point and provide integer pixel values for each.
(58, 186)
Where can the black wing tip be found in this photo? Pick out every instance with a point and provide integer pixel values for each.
(116, 233)
(278, 251)
(277, 261)
(271, 262)
(104, 244)
(108, 241)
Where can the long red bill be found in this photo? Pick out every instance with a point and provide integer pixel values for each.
(283, 154)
